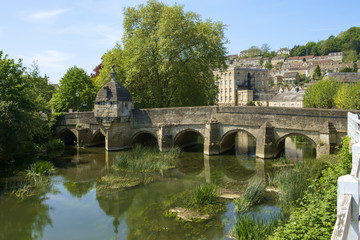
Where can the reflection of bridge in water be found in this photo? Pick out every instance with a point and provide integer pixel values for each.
(217, 126)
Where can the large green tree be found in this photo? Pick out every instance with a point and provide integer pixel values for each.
(23, 127)
(168, 56)
(321, 94)
(76, 88)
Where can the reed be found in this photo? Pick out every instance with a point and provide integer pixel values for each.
(40, 168)
(254, 194)
(205, 194)
(255, 228)
(292, 184)
(143, 159)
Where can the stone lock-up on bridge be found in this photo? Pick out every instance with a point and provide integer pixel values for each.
(121, 126)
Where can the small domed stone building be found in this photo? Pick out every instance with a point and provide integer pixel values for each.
(112, 110)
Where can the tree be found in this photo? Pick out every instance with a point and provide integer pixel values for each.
(348, 96)
(349, 56)
(253, 51)
(21, 125)
(74, 82)
(321, 94)
(268, 66)
(265, 48)
(40, 90)
(317, 73)
(112, 57)
(168, 56)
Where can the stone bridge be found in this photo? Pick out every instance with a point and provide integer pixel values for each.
(218, 126)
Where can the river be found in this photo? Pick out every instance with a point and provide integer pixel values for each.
(68, 205)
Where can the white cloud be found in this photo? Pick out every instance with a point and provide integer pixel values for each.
(43, 15)
(49, 60)
(103, 34)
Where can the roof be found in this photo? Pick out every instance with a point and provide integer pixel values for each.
(113, 92)
(289, 97)
(290, 74)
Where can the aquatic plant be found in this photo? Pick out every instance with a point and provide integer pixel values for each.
(205, 194)
(40, 168)
(254, 194)
(255, 228)
(292, 184)
(142, 159)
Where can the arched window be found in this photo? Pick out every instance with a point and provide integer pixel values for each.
(229, 76)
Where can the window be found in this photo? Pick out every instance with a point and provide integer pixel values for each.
(225, 90)
(225, 81)
(230, 76)
(258, 82)
(263, 83)
(221, 98)
(230, 98)
(225, 75)
(225, 98)
(230, 82)
(229, 89)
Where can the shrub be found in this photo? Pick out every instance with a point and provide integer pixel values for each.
(205, 194)
(254, 194)
(55, 144)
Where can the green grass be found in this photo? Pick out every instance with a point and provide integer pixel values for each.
(254, 194)
(254, 228)
(143, 159)
(205, 194)
(40, 168)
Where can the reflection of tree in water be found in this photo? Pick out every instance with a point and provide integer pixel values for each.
(24, 219)
(115, 204)
(78, 189)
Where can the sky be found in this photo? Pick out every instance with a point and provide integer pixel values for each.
(58, 35)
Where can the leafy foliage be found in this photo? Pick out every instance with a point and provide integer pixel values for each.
(23, 104)
(316, 215)
(348, 42)
(321, 94)
(74, 81)
(168, 56)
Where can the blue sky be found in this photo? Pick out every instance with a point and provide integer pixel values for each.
(62, 34)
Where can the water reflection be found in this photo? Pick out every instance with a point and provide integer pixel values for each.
(79, 209)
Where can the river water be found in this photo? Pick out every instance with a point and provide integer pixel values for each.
(68, 205)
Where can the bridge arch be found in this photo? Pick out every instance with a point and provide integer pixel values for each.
(229, 139)
(188, 138)
(280, 143)
(68, 136)
(144, 138)
(97, 138)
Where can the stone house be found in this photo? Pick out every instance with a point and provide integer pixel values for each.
(238, 86)
(288, 99)
(291, 78)
(281, 51)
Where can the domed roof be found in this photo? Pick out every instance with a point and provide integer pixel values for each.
(113, 91)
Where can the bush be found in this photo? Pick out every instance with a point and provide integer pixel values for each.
(41, 168)
(54, 144)
(254, 194)
(205, 194)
